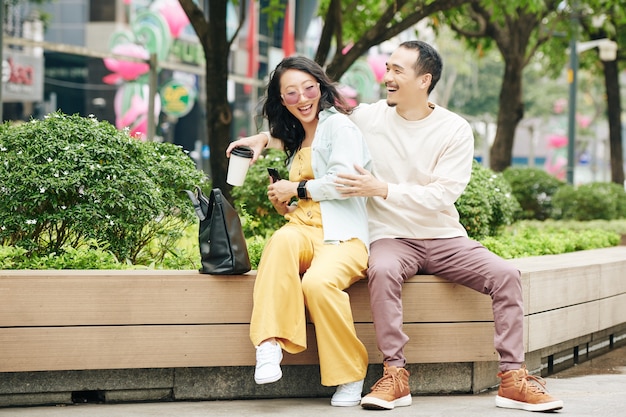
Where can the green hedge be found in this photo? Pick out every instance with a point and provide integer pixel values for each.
(599, 200)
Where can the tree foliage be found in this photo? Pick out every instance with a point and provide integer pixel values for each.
(517, 30)
(522, 32)
(352, 28)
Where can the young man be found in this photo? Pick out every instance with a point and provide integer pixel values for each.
(414, 226)
(422, 162)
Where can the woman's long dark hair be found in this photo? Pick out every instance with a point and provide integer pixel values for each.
(282, 123)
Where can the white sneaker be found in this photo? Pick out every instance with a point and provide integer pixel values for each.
(347, 395)
(268, 357)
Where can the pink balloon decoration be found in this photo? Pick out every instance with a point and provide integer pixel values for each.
(557, 141)
(349, 94)
(175, 17)
(378, 64)
(127, 70)
(134, 116)
(583, 121)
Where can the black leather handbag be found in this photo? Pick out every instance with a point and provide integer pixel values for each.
(223, 248)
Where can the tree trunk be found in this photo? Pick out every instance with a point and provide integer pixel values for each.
(219, 113)
(515, 40)
(510, 113)
(213, 37)
(614, 106)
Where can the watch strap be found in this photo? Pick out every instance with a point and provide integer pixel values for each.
(302, 190)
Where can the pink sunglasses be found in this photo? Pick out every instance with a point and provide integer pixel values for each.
(293, 97)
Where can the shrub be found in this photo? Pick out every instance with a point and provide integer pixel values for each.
(534, 189)
(487, 203)
(600, 200)
(535, 238)
(259, 217)
(86, 257)
(68, 181)
(255, 249)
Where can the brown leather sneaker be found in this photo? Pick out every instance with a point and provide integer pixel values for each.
(522, 391)
(392, 390)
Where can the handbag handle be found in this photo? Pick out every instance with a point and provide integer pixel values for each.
(200, 202)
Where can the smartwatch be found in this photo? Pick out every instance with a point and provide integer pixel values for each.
(302, 190)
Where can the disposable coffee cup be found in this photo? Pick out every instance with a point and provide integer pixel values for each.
(238, 165)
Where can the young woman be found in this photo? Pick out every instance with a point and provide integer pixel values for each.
(323, 248)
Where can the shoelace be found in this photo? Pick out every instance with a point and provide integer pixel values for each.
(266, 354)
(388, 382)
(533, 383)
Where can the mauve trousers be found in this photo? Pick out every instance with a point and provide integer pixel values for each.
(459, 260)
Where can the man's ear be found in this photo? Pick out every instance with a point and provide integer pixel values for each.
(426, 79)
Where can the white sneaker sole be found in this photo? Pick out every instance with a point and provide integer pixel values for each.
(345, 403)
(269, 379)
(373, 403)
(518, 405)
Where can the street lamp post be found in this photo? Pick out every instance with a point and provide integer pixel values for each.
(572, 75)
(608, 52)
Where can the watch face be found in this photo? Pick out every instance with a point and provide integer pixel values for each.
(302, 189)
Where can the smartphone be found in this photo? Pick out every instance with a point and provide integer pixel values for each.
(274, 174)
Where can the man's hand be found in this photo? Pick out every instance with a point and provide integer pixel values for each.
(256, 143)
(363, 184)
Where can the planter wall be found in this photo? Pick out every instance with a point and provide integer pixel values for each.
(145, 335)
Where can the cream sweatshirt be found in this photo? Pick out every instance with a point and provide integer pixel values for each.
(427, 164)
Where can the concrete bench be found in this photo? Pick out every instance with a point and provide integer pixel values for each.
(148, 335)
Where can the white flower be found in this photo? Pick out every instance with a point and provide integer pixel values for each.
(42, 190)
(3, 228)
(56, 175)
(31, 221)
(63, 207)
(49, 160)
(3, 149)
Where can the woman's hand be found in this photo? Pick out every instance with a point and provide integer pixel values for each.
(280, 194)
(256, 143)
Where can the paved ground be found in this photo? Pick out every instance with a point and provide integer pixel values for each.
(595, 388)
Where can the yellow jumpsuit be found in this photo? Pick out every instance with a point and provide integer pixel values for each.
(298, 270)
